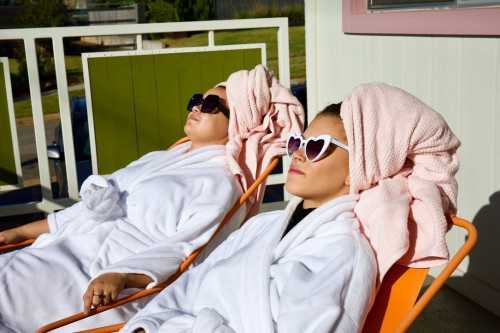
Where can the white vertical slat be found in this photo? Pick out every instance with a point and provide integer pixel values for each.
(311, 43)
(13, 128)
(88, 100)
(211, 38)
(391, 50)
(444, 98)
(417, 54)
(38, 119)
(284, 55)
(477, 90)
(138, 42)
(284, 78)
(445, 83)
(65, 114)
(371, 58)
(327, 55)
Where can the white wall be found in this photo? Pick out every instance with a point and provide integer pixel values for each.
(460, 78)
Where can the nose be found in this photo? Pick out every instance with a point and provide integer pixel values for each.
(196, 108)
(299, 155)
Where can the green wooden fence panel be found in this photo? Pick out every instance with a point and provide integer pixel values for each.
(139, 101)
(8, 174)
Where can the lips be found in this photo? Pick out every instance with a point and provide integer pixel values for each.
(295, 170)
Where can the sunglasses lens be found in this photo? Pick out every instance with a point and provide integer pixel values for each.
(210, 103)
(313, 148)
(293, 145)
(195, 100)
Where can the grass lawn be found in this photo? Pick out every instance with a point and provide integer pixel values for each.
(73, 64)
(50, 104)
(268, 36)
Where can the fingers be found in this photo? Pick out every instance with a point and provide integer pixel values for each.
(114, 294)
(94, 297)
(87, 299)
(106, 298)
(99, 294)
(96, 300)
(2, 238)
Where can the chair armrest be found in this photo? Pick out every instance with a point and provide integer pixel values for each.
(445, 273)
(9, 247)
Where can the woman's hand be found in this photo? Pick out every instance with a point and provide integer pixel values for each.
(11, 236)
(104, 290)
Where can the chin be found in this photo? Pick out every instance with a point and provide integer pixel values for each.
(188, 130)
(295, 189)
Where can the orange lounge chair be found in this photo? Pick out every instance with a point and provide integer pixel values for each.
(182, 267)
(396, 306)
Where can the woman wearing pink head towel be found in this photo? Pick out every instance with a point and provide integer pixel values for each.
(134, 227)
(373, 178)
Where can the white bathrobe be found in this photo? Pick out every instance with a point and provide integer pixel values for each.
(319, 278)
(145, 218)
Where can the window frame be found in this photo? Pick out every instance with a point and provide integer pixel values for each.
(462, 21)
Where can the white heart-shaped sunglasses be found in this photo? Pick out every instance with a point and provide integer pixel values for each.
(314, 147)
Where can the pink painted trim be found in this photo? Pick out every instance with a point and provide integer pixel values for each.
(455, 21)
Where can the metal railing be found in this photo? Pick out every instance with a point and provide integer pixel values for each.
(57, 35)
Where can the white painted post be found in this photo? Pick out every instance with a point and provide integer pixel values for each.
(138, 41)
(284, 78)
(211, 38)
(13, 127)
(38, 119)
(65, 114)
(311, 61)
(283, 54)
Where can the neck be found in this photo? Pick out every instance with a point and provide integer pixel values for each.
(316, 202)
(197, 144)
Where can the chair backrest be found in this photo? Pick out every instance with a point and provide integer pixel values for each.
(136, 100)
(10, 165)
(395, 298)
(396, 306)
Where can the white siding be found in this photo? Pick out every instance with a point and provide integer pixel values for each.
(457, 76)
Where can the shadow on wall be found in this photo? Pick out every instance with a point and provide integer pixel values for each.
(483, 261)
(483, 268)
(449, 311)
(487, 251)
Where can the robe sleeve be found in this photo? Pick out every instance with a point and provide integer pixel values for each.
(314, 292)
(200, 219)
(100, 196)
(172, 310)
(100, 202)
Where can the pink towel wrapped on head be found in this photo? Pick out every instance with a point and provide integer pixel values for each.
(263, 112)
(403, 161)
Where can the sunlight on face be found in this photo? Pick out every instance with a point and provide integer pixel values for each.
(208, 128)
(327, 178)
